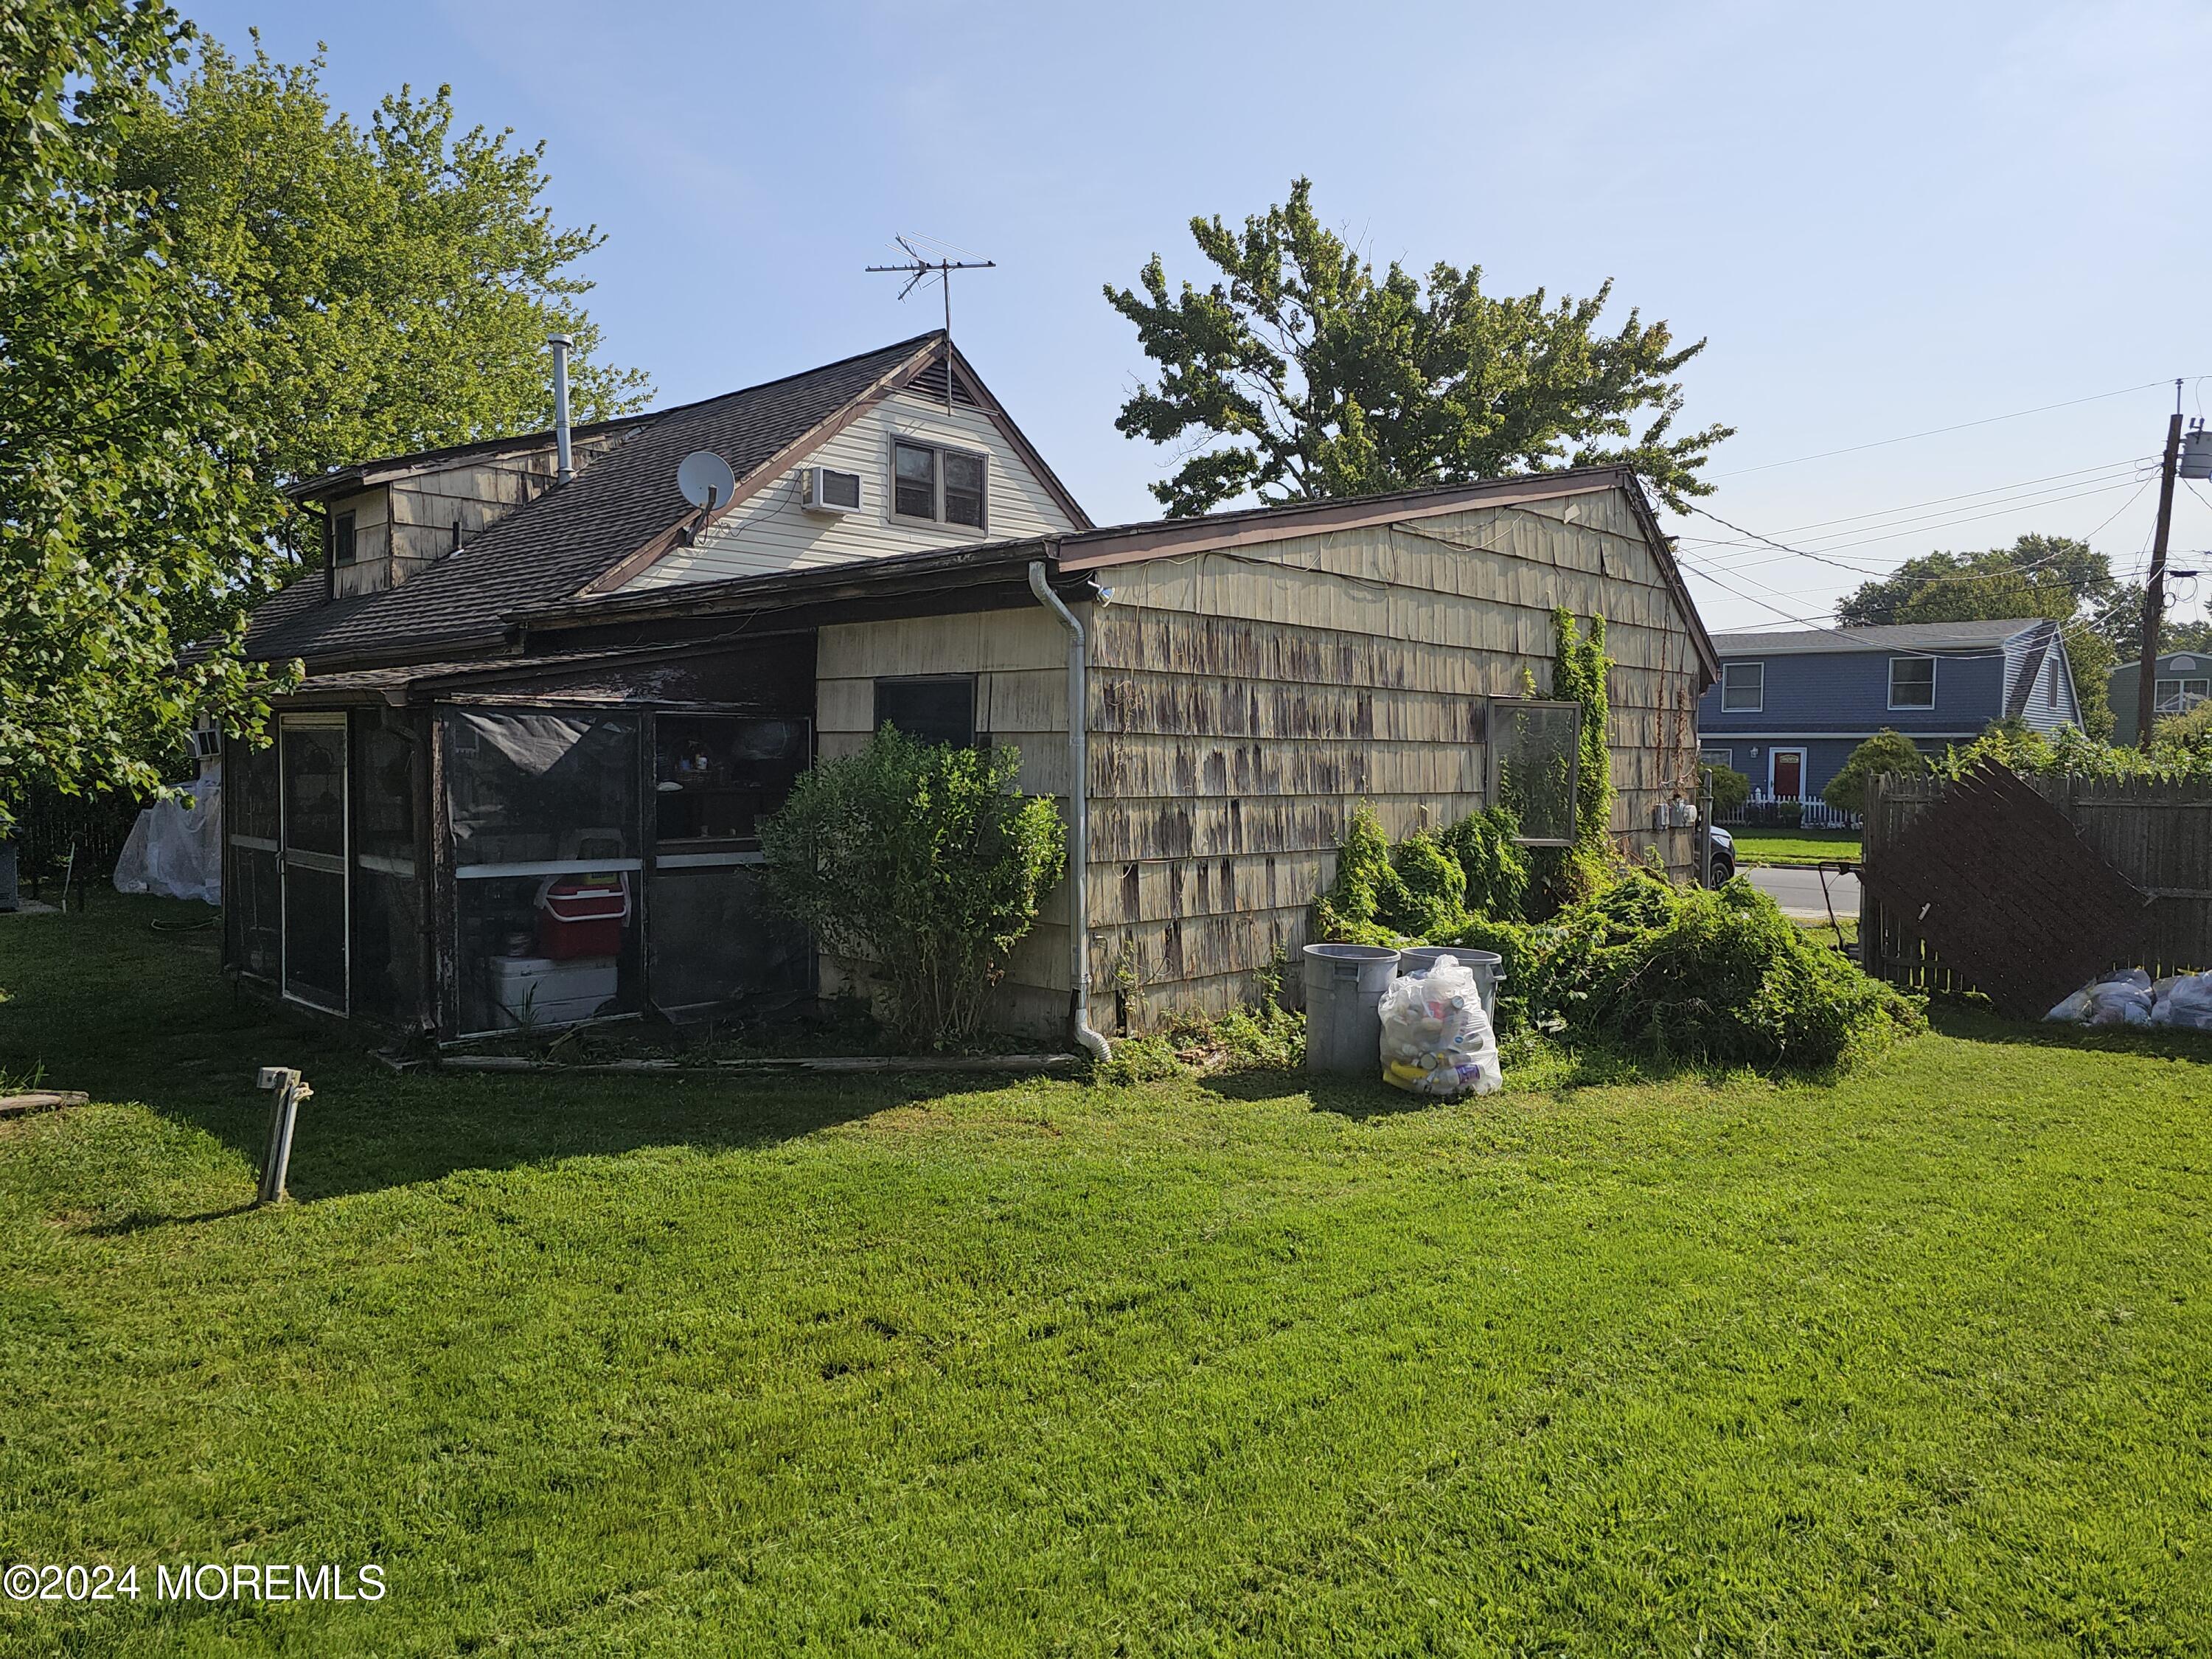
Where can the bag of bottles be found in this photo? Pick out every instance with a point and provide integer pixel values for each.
(1436, 1041)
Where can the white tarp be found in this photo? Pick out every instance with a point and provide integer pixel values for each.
(175, 850)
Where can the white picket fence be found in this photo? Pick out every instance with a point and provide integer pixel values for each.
(1771, 812)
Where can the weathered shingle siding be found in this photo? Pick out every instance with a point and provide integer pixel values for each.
(773, 531)
(1242, 705)
(1019, 658)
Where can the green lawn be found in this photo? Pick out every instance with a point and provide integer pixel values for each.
(1799, 846)
(1921, 1362)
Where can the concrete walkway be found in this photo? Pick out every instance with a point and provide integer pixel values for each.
(1798, 891)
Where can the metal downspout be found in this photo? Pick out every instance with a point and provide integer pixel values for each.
(1078, 813)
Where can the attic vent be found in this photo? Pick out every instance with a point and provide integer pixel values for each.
(930, 383)
(829, 490)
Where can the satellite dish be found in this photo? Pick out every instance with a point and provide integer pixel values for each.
(706, 479)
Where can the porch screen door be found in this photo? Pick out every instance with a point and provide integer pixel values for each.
(311, 750)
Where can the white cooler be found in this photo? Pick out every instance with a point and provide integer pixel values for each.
(545, 992)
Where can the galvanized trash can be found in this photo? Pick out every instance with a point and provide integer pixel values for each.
(1483, 964)
(1344, 985)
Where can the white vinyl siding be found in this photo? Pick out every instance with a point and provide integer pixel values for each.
(773, 531)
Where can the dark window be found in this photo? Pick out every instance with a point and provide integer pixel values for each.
(917, 484)
(1912, 682)
(1743, 687)
(941, 710)
(342, 539)
(964, 489)
(715, 776)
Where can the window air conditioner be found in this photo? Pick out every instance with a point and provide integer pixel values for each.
(829, 490)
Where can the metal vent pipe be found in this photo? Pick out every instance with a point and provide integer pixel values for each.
(564, 457)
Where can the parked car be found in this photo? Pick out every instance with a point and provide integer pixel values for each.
(1724, 852)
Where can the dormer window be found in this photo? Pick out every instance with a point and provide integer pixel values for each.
(341, 539)
(1912, 682)
(942, 486)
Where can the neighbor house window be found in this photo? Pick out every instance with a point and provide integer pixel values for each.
(1912, 682)
(2171, 695)
(945, 486)
(1532, 750)
(1743, 687)
(1722, 758)
(938, 709)
(341, 539)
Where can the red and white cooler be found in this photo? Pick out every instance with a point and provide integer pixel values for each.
(583, 916)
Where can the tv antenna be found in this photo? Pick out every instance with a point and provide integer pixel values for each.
(916, 269)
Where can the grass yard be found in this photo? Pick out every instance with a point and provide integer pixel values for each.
(1918, 1362)
(1794, 847)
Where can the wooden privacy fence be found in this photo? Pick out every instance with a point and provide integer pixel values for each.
(2158, 837)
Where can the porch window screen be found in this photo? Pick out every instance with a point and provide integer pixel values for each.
(1533, 749)
(715, 776)
(251, 924)
(542, 788)
(387, 900)
(543, 808)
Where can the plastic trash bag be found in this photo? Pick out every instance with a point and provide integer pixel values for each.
(2121, 999)
(2074, 1011)
(1436, 1041)
(2186, 1002)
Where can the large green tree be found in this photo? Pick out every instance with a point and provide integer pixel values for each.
(2053, 576)
(125, 499)
(1299, 375)
(394, 282)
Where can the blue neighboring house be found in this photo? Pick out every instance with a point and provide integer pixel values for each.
(1790, 707)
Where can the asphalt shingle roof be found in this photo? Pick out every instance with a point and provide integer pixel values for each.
(1901, 636)
(552, 547)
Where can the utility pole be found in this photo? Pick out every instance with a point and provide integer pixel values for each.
(2154, 589)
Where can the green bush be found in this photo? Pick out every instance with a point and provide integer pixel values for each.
(1731, 788)
(1720, 976)
(1428, 888)
(1429, 895)
(922, 860)
(1493, 861)
(1366, 887)
(1885, 752)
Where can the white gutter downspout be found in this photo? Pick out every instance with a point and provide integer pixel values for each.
(1078, 813)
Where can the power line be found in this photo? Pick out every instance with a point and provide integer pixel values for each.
(1937, 431)
(2026, 486)
(1927, 525)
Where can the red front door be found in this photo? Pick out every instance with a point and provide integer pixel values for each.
(1788, 774)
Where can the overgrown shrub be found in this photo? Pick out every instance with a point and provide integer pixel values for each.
(1885, 751)
(1428, 888)
(1731, 788)
(922, 860)
(1720, 976)
(1429, 895)
(1490, 858)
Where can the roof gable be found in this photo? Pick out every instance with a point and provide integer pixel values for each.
(555, 546)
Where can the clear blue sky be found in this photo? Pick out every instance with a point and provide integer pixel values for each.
(1887, 218)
